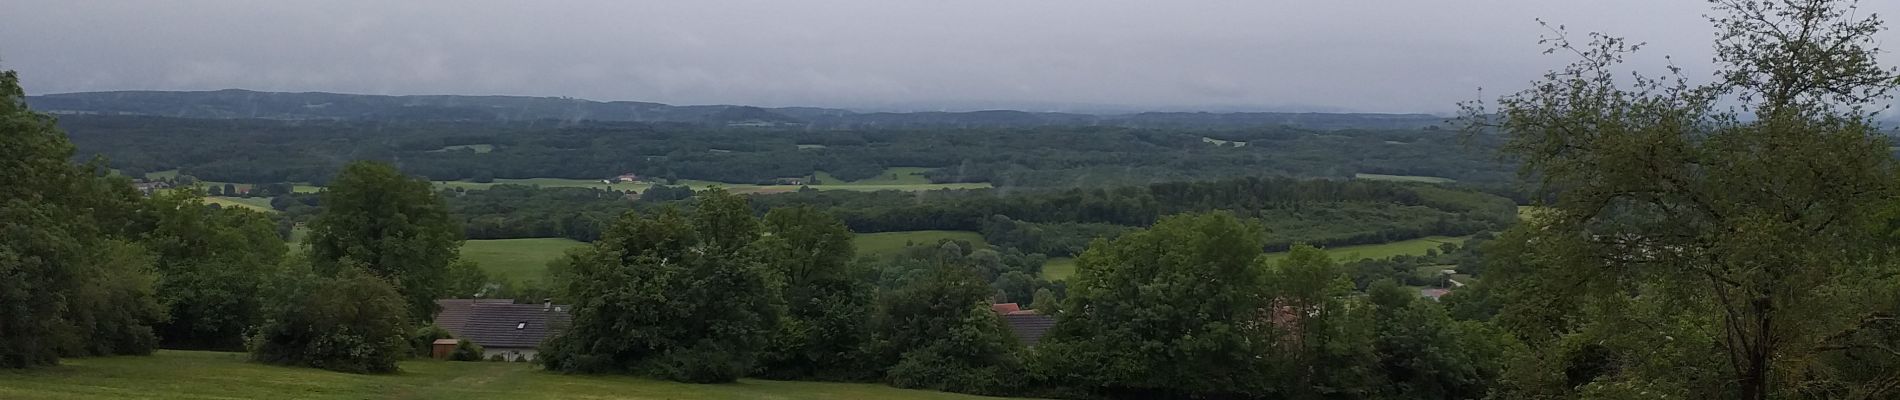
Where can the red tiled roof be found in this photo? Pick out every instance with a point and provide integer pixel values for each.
(1005, 308)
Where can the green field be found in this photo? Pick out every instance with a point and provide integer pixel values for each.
(213, 375)
(1526, 212)
(1403, 178)
(546, 182)
(299, 187)
(478, 148)
(1382, 250)
(890, 176)
(254, 203)
(734, 187)
(887, 244)
(1218, 142)
(1058, 269)
(517, 259)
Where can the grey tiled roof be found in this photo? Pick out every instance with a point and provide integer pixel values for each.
(500, 323)
(1029, 328)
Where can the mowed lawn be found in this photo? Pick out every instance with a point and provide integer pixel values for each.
(517, 259)
(1382, 250)
(888, 244)
(215, 375)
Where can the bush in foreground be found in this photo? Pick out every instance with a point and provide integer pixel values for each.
(354, 322)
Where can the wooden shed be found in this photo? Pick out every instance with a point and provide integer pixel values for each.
(442, 348)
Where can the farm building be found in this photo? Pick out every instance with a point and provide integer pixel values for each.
(1027, 325)
(501, 327)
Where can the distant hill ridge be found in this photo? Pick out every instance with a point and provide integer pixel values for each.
(247, 104)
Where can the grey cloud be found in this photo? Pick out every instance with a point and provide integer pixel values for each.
(1387, 56)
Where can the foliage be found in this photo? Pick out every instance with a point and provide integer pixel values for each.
(1052, 156)
(113, 307)
(1700, 249)
(515, 211)
(213, 265)
(939, 333)
(465, 351)
(1173, 310)
(824, 331)
(1325, 337)
(422, 342)
(352, 322)
(675, 296)
(391, 225)
(71, 283)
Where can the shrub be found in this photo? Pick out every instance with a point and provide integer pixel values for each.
(466, 351)
(422, 343)
(939, 333)
(354, 323)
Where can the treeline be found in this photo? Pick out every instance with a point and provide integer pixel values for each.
(1183, 309)
(273, 151)
(1319, 212)
(1058, 223)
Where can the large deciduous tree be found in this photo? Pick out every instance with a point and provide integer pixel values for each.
(1179, 309)
(671, 295)
(825, 329)
(1723, 240)
(213, 266)
(69, 282)
(391, 225)
(938, 332)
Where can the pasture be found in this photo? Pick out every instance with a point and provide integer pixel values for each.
(1403, 178)
(1382, 250)
(1218, 142)
(890, 177)
(516, 259)
(216, 375)
(700, 185)
(888, 244)
(1058, 269)
(478, 148)
(254, 203)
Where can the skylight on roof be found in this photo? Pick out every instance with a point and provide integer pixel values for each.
(523, 325)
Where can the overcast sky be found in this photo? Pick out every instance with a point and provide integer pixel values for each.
(1323, 55)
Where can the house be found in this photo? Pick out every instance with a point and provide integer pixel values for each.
(1028, 326)
(1433, 293)
(501, 327)
(152, 186)
(626, 178)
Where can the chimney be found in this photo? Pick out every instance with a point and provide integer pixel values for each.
(547, 304)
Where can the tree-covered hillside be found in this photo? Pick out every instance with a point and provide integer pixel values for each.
(270, 151)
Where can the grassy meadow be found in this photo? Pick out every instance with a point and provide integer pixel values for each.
(890, 176)
(1382, 250)
(254, 203)
(1058, 269)
(1218, 142)
(478, 148)
(517, 259)
(215, 375)
(887, 244)
(1403, 178)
